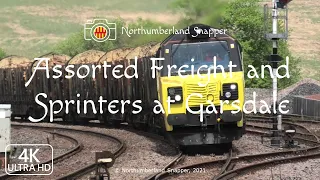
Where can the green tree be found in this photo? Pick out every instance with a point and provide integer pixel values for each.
(200, 11)
(2, 53)
(244, 21)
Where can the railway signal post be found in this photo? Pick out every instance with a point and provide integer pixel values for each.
(275, 36)
(104, 160)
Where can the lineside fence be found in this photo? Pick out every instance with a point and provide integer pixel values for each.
(306, 107)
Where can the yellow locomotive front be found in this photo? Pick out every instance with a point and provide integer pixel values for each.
(201, 87)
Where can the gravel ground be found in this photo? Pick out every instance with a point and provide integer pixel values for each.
(83, 158)
(142, 158)
(143, 154)
(269, 125)
(251, 144)
(149, 156)
(309, 170)
(261, 93)
(313, 127)
(31, 136)
(260, 124)
(248, 144)
(301, 144)
(197, 173)
(302, 88)
(198, 159)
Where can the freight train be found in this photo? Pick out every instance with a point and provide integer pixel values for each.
(206, 99)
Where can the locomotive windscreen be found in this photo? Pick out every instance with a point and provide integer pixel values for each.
(200, 54)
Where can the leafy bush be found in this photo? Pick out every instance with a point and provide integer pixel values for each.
(2, 53)
(243, 19)
(203, 11)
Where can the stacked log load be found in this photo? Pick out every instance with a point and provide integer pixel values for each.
(40, 83)
(15, 71)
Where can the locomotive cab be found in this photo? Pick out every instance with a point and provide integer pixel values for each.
(206, 97)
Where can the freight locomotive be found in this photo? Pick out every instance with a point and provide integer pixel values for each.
(206, 98)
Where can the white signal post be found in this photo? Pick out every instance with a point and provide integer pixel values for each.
(275, 141)
(275, 59)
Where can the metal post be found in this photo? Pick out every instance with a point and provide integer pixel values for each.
(275, 141)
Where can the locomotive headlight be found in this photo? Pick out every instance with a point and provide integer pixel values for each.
(175, 93)
(177, 97)
(228, 94)
(229, 91)
(171, 91)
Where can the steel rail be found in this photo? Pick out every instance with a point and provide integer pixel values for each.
(78, 147)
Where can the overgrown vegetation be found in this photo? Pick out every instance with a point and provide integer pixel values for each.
(242, 18)
(244, 21)
(205, 11)
(2, 53)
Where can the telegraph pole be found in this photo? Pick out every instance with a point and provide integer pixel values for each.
(274, 60)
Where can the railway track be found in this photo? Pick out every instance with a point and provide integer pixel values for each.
(256, 160)
(309, 153)
(153, 136)
(228, 164)
(286, 121)
(301, 137)
(78, 147)
(82, 171)
(86, 170)
(175, 161)
(179, 157)
(285, 117)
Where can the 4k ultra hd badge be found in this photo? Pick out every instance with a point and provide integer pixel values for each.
(32, 159)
